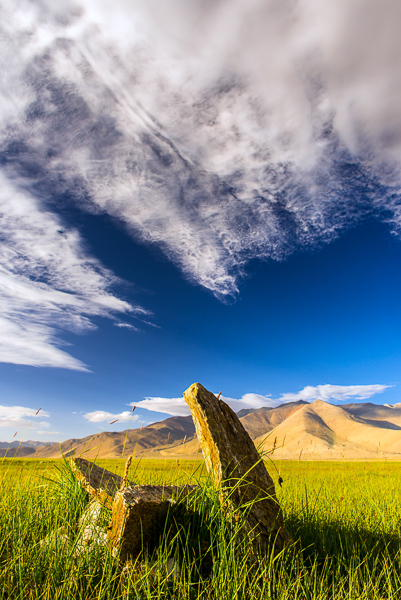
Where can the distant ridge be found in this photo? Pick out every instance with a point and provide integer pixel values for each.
(28, 443)
(295, 430)
(117, 444)
(19, 449)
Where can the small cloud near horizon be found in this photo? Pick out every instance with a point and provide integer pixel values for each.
(101, 416)
(172, 406)
(340, 393)
(326, 392)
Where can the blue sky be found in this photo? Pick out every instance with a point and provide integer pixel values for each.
(225, 208)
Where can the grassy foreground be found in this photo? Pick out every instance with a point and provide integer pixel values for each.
(345, 518)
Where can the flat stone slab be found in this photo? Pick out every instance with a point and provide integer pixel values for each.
(236, 468)
(137, 513)
(100, 483)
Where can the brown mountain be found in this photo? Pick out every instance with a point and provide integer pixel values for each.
(17, 452)
(117, 444)
(20, 449)
(388, 416)
(323, 431)
(263, 420)
(28, 443)
(290, 431)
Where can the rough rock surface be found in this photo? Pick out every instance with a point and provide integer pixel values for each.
(236, 468)
(91, 515)
(137, 512)
(90, 534)
(89, 539)
(100, 483)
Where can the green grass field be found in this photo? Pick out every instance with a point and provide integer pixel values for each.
(344, 517)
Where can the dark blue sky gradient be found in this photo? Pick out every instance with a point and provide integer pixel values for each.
(325, 316)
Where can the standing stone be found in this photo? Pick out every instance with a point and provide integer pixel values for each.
(100, 483)
(236, 468)
(137, 514)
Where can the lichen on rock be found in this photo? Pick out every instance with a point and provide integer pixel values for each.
(236, 468)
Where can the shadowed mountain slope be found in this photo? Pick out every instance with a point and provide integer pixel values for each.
(375, 413)
(321, 430)
(123, 443)
(263, 420)
(20, 449)
(21, 452)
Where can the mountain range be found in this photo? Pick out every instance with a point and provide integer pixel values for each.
(296, 430)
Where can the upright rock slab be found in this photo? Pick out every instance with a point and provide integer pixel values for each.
(100, 483)
(236, 468)
(137, 513)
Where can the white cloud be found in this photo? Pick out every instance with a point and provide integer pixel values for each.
(251, 400)
(219, 130)
(20, 416)
(47, 283)
(327, 392)
(339, 393)
(127, 326)
(151, 324)
(171, 406)
(178, 406)
(101, 416)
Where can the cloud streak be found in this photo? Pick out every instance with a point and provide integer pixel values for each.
(47, 283)
(127, 326)
(219, 131)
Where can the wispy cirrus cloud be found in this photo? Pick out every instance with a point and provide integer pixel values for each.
(220, 131)
(279, 131)
(326, 392)
(127, 326)
(47, 283)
